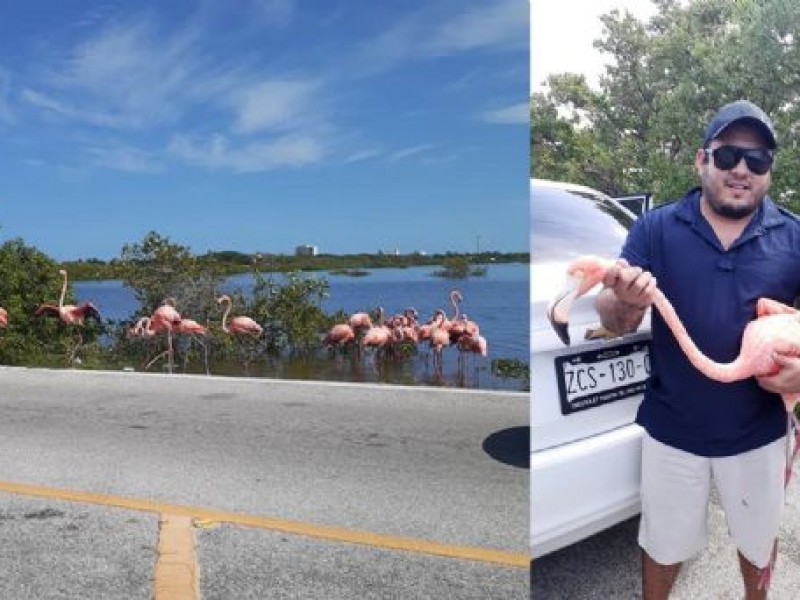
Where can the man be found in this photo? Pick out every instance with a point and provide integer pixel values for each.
(713, 253)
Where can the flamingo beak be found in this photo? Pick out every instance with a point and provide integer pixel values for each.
(558, 310)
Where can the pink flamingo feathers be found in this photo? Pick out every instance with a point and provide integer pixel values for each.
(775, 329)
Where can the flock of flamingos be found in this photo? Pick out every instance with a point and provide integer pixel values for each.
(359, 333)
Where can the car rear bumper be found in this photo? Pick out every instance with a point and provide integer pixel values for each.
(581, 488)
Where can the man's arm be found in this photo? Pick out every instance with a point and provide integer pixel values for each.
(623, 302)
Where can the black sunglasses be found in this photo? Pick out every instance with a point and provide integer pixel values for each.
(758, 160)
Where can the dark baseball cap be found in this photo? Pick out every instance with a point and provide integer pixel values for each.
(741, 110)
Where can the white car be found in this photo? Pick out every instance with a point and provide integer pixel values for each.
(585, 446)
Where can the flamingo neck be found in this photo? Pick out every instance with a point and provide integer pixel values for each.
(723, 372)
(225, 316)
(63, 290)
(455, 298)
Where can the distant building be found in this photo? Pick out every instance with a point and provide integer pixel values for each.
(305, 250)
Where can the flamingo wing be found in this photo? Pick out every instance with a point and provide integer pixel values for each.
(245, 325)
(47, 310)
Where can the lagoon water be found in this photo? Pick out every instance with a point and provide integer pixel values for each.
(497, 301)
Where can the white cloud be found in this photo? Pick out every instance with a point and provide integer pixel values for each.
(360, 155)
(501, 23)
(121, 158)
(218, 152)
(491, 24)
(65, 110)
(133, 69)
(274, 105)
(517, 113)
(412, 151)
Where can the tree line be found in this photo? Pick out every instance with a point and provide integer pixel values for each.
(666, 77)
(229, 262)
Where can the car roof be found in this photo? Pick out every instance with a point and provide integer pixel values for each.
(582, 189)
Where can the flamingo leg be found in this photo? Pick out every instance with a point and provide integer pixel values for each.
(156, 358)
(792, 443)
(78, 343)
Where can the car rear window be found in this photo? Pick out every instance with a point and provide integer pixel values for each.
(567, 223)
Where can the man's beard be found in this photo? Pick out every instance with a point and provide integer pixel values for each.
(733, 212)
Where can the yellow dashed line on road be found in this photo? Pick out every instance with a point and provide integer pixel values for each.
(336, 534)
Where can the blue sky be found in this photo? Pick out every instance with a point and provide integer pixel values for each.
(260, 125)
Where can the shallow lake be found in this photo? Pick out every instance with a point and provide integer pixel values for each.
(498, 301)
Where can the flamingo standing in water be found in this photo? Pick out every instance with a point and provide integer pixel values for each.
(69, 314)
(166, 318)
(195, 331)
(360, 320)
(339, 335)
(776, 329)
(377, 337)
(239, 326)
(439, 338)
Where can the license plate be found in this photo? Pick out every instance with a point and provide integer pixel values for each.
(597, 377)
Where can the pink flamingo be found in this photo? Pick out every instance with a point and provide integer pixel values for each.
(69, 314)
(424, 331)
(147, 327)
(360, 320)
(439, 339)
(190, 326)
(377, 336)
(195, 331)
(463, 326)
(339, 335)
(775, 329)
(166, 318)
(239, 325)
(473, 343)
(3, 317)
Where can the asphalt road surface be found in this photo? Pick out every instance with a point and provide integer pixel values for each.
(608, 564)
(283, 489)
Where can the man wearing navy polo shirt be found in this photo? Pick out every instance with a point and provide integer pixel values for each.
(713, 253)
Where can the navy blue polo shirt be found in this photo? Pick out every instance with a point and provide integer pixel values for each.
(714, 292)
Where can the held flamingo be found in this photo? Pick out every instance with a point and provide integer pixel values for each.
(776, 329)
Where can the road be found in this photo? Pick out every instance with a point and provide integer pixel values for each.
(608, 564)
(283, 489)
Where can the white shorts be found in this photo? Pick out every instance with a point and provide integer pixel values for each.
(675, 499)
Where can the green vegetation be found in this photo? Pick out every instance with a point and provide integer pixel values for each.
(512, 368)
(459, 267)
(640, 131)
(232, 263)
(27, 278)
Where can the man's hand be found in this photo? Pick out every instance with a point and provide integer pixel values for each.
(633, 286)
(785, 381)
